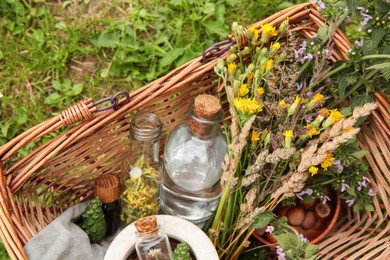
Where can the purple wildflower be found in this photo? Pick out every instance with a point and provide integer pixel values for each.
(299, 55)
(309, 119)
(328, 54)
(359, 43)
(359, 188)
(307, 192)
(280, 253)
(337, 164)
(344, 187)
(269, 229)
(303, 239)
(325, 199)
(321, 5)
(365, 181)
(329, 80)
(350, 202)
(363, 13)
(372, 192)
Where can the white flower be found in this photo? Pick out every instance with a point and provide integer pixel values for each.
(1, 95)
(135, 172)
(154, 252)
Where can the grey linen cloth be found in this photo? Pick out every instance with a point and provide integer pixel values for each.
(63, 239)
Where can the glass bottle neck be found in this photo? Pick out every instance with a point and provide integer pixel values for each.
(204, 128)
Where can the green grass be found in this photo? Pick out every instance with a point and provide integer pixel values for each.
(53, 55)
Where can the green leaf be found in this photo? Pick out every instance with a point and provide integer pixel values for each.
(311, 250)
(220, 11)
(53, 99)
(38, 35)
(384, 65)
(215, 27)
(369, 207)
(359, 154)
(107, 40)
(171, 56)
(377, 35)
(76, 89)
(21, 118)
(4, 128)
(323, 32)
(361, 100)
(262, 220)
(346, 111)
(57, 85)
(208, 8)
(288, 240)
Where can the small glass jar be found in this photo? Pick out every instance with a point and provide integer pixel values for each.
(152, 244)
(141, 169)
(193, 155)
(107, 189)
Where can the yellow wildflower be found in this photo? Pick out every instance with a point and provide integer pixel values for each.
(275, 46)
(313, 170)
(334, 117)
(282, 103)
(289, 135)
(247, 106)
(255, 136)
(269, 64)
(311, 130)
(318, 97)
(328, 161)
(293, 107)
(268, 31)
(232, 67)
(243, 90)
(250, 76)
(324, 112)
(255, 34)
(260, 91)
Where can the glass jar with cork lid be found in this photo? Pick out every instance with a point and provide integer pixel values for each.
(141, 169)
(193, 155)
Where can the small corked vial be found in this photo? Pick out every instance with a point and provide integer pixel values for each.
(146, 226)
(107, 189)
(152, 243)
(206, 112)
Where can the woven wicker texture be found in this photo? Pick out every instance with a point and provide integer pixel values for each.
(61, 172)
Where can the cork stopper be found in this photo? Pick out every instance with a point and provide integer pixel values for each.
(107, 188)
(206, 109)
(146, 226)
(207, 106)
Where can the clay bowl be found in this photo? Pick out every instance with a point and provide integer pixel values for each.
(315, 235)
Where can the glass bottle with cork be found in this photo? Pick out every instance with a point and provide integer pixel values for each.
(107, 189)
(152, 244)
(193, 155)
(141, 168)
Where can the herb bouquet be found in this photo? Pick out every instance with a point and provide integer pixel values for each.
(287, 137)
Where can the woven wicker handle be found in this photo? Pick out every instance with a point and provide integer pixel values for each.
(83, 110)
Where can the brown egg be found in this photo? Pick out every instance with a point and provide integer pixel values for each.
(298, 228)
(295, 216)
(322, 211)
(283, 210)
(310, 220)
(270, 238)
(312, 233)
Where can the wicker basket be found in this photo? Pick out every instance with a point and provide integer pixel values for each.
(61, 172)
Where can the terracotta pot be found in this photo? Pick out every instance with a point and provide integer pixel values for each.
(319, 231)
